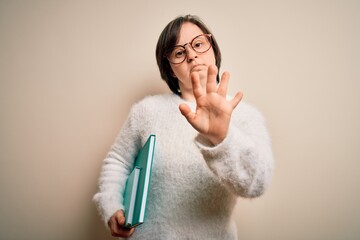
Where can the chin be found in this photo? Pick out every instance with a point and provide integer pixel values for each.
(203, 74)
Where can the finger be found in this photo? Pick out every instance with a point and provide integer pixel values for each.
(186, 112)
(114, 228)
(236, 100)
(223, 87)
(211, 85)
(117, 227)
(120, 217)
(126, 232)
(197, 89)
(122, 232)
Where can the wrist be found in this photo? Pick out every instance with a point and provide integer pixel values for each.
(214, 140)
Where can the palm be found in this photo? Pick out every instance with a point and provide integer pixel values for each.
(213, 110)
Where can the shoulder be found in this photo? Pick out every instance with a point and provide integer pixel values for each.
(160, 99)
(153, 103)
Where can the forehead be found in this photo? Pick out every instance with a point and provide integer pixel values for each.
(187, 32)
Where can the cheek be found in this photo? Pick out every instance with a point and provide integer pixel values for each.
(174, 71)
(212, 57)
(178, 71)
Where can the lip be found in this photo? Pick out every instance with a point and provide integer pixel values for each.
(198, 67)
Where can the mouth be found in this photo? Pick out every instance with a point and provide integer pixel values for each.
(198, 68)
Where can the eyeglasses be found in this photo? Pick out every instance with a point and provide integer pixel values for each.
(199, 44)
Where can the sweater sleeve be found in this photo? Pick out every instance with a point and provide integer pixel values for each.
(116, 168)
(243, 161)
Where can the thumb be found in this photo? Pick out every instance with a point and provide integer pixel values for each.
(120, 218)
(186, 112)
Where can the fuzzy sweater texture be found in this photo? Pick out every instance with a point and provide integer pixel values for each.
(194, 185)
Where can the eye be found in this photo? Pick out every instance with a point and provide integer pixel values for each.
(178, 53)
(199, 43)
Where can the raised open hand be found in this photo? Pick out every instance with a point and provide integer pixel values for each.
(213, 110)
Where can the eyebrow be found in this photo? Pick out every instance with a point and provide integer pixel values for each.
(182, 45)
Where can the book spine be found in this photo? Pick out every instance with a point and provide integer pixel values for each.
(130, 211)
(147, 179)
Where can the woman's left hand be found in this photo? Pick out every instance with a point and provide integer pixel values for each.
(213, 110)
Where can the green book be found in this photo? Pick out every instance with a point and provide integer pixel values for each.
(137, 185)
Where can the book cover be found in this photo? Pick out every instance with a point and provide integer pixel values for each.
(143, 162)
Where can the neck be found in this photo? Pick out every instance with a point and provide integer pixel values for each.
(187, 96)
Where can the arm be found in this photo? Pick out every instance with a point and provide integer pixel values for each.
(238, 152)
(115, 170)
(243, 161)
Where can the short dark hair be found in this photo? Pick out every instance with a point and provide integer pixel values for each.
(167, 41)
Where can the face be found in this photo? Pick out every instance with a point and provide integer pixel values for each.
(194, 62)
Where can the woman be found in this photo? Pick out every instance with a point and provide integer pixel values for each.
(210, 150)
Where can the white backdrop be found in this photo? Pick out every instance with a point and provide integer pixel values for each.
(70, 71)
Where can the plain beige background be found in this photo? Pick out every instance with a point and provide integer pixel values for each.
(70, 71)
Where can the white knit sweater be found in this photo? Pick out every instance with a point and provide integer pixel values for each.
(194, 185)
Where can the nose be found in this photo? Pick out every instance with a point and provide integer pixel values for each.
(190, 53)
